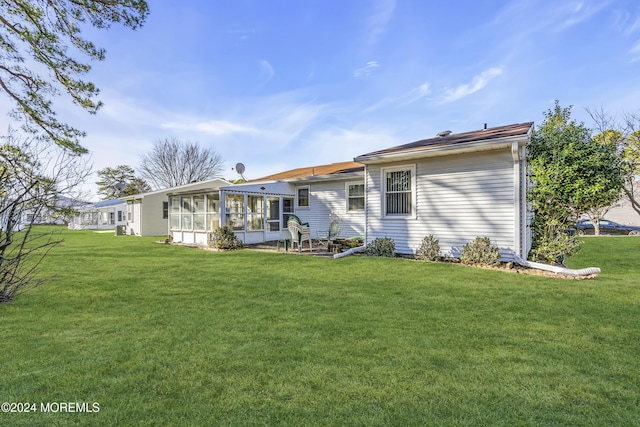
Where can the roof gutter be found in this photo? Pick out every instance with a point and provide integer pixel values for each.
(423, 152)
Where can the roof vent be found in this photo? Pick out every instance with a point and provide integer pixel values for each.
(444, 133)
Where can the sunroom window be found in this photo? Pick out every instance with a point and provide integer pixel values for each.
(187, 219)
(234, 205)
(199, 213)
(287, 210)
(255, 213)
(174, 216)
(213, 211)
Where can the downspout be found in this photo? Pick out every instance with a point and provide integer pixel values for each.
(515, 155)
(366, 205)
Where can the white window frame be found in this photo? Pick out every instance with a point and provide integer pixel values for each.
(349, 197)
(303, 187)
(383, 180)
(130, 212)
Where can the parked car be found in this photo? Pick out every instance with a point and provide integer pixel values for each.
(585, 226)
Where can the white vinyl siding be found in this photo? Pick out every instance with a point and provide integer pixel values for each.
(457, 199)
(325, 198)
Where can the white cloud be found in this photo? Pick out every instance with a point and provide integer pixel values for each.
(578, 12)
(267, 70)
(366, 70)
(406, 98)
(378, 20)
(635, 52)
(479, 82)
(211, 127)
(338, 144)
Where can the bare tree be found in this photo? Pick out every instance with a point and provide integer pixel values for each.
(32, 178)
(172, 162)
(626, 137)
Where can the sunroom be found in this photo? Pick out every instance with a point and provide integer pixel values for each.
(193, 215)
(258, 211)
(258, 214)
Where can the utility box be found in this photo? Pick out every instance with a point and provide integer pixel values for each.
(121, 230)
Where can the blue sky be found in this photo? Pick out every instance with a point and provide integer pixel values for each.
(282, 84)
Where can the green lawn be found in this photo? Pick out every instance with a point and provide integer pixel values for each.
(167, 335)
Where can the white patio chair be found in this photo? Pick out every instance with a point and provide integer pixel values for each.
(298, 234)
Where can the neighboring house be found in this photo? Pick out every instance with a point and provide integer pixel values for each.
(258, 210)
(148, 213)
(59, 211)
(103, 215)
(455, 187)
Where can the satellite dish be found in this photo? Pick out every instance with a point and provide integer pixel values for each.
(240, 168)
(121, 186)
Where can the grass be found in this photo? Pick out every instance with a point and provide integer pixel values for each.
(167, 335)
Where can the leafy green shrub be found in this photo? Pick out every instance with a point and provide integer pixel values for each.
(480, 251)
(553, 249)
(224, 238)
(429, 249)
(384, 247)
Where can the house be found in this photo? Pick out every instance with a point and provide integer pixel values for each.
(55, 210)
(258, 210)
(148, 213)
(103, 215)
(455, 187)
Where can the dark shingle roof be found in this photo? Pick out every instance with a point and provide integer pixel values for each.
(321, 170)
(458, 138)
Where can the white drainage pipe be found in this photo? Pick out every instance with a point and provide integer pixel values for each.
(349, 252)
(558, 270)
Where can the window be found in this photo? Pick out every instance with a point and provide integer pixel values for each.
(355, 197)
(399, 191)
(303, 197)
(112, 218)
(197, 213)
(199, 223)
(234, 205)
(213, 211)
(287, 210)
(119, 216)
(273, 214)
(255, 213)
(174, 208)
(165, 210)
(187, 210)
